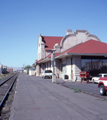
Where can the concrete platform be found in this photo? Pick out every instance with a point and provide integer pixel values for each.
(40, 99)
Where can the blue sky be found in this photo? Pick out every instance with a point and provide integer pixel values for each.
(21, 22)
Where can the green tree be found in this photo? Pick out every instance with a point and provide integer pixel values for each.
(27, 67)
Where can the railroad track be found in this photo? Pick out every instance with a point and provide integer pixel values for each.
(5, 87)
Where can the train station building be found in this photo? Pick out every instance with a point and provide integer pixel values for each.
(76, 51)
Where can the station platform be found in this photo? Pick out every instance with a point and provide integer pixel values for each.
(40, 99)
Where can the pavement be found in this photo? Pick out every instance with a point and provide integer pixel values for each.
(40, 99)
(88, 88)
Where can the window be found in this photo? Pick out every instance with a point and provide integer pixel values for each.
(86, 63)
(48, 71)
(93, 64)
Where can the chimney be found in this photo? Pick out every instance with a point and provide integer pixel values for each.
(69, 31)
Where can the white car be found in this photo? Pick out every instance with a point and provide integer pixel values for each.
(96, 79)
(103, 85)
(47, 74)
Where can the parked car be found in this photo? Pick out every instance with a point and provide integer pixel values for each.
(96, 79)
(103, 85)
(47, 74)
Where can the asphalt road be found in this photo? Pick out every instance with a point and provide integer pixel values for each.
(86, 87)
(40, 99)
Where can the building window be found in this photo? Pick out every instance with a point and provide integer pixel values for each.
(95, 65)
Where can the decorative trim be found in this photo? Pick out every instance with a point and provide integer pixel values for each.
(75, 33)
(91, 35)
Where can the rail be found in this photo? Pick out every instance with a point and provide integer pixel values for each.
(6, 94)
(7, 79)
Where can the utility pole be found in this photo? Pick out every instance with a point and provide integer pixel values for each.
(23, 67)
(53, 62)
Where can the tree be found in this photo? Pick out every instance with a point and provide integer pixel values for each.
(27, 67)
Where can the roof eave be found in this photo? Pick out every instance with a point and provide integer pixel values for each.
(48, 49)
(45, 60)
(61, 56)
(71, 54)
(88, 54)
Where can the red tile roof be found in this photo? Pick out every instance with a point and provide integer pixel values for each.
(51, 41)
(39, 60)
(56, 54)
(91, 46)
(88, 47)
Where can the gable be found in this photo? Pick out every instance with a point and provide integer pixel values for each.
(51, 41)
(73, 39)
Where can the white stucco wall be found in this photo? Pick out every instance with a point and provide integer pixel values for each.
(79, 36)
(41, 48)
(37, 70)
(63, 67)
(76, 67)
(48, 52)
(68, 43)
(58, 68)
(68, 67)
(43, 53)
(32, 72)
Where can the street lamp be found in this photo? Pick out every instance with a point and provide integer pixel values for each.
(53, 63)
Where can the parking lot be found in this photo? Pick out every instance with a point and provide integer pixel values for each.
(89, 88)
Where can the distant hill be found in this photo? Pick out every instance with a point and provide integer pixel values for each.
(17, 68)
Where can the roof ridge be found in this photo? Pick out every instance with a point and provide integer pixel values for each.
(53, 36)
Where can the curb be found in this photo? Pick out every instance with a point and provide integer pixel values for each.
(92, 94)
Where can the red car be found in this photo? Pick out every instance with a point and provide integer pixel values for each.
(103, 85)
